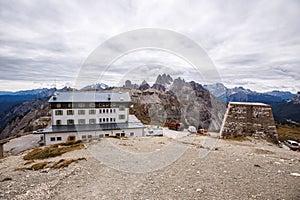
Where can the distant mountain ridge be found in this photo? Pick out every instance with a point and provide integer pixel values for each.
(285, 105)
(241, 94)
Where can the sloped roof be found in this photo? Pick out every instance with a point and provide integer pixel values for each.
(64, 97)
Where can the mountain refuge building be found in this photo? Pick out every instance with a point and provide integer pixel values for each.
(89, 115)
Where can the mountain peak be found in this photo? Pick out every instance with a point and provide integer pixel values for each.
(96, 86)
(164, 79)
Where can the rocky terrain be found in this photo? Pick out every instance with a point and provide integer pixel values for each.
(250, 169)
(176, 100)
(30, 115)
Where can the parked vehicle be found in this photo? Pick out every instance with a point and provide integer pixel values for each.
(293, 145)
(201, 131)
(192, 129)
(154, 131)
(38, 131)
(175, 126)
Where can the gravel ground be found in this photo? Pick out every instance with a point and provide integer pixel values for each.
(146, 168)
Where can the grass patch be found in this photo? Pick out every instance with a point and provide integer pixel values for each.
(263, 151)
(65, 163)
(125, 144)
(239, 139)
(33, 167)
(288, 132)
(29, 162)
(53, 150)
(6, 179)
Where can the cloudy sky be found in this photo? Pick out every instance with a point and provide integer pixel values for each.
(254, 44)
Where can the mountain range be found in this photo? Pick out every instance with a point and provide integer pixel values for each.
(241, 94)
(166, 100)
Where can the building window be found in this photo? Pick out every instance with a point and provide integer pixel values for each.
(70, 112)
(58, 105)
(101, 135)
(81, 121)
(90, 136)
(70, 122)
(69, 105)
(103, 110)
(58, 112)
(100, 110)
(114, 110)
(111, 119)
(58, 138)
(132, 134)
(92, 105)
(100, 120)
(52, 139)
(106, 135)
(81, 112)
(121, 116)
(81, 105)
(110, 110)
(83, 137)
(92, 112)
(58, 122)
(107, 119)
(103, 119)
(121, 108)
(92, 121)
(114, 119)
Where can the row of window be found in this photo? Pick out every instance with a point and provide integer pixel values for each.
(91, 112)
(91, 121)
(53, 139)
(84, 137)
(83, 105)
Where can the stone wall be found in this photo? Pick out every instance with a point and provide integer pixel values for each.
(249, 119)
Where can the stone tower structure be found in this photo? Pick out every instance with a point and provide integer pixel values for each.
(249, 119)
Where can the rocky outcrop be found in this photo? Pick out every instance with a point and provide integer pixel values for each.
(144, 86)
(181, 101)
(295, 99)
(28, 116)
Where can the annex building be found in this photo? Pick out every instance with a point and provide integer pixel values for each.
(88, 115)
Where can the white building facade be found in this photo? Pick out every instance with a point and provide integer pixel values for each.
(90, 115)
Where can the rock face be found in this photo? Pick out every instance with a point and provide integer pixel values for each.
(29, 116)
(295, 99)
(176, 100)
(249, 119)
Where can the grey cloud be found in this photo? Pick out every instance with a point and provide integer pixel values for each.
(252, 43)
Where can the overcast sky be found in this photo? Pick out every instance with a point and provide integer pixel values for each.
(254, 44)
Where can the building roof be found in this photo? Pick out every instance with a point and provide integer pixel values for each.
(132, 123)
(248, 103)
(85, 97)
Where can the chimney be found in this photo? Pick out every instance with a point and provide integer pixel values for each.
(54, 96)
